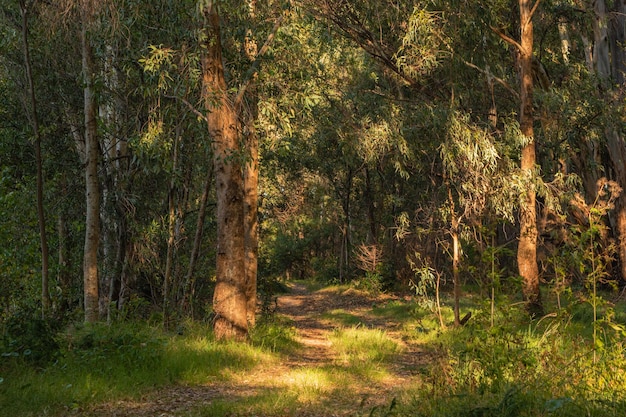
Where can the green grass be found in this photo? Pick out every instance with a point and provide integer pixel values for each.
(364, 352)
(102, 363)
(515, 367)
(342, 317)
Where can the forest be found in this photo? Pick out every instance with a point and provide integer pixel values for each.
(312, 208)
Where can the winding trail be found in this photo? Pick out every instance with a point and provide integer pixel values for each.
(309, 314)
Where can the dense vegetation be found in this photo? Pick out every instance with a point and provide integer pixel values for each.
(470, 154)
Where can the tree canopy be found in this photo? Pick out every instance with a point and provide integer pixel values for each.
(140, 140)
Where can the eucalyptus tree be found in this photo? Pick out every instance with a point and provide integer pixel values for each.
(609, 64)
(527, 245)
(224, 116)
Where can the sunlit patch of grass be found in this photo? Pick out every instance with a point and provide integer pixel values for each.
(275, 335)
(309, 384)
(342, 317)
(364, 350)
(196, 360)
(268, 403)
(336, 288)
(105, 363)
(316, 390)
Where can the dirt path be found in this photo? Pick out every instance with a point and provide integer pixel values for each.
(308, 312)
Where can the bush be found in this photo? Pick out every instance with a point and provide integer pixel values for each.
(130, 345)
(30, 338)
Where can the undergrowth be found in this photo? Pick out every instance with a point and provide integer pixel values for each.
(499, 364)
(99, 363)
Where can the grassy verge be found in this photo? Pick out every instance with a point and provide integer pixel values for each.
(103, 363)
(499, 364)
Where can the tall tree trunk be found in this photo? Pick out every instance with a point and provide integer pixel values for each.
(229, 298)
(527, 248)
(602, 62)
(92, 185)
(114, 163)
(615, 140)
(609, 61)
(45, 291)
(251, 177)
(251, 198)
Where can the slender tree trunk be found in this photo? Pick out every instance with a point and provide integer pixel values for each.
(229, 298)
(171, 235)
(454, 232)
(189, 285)
(371, 208)
(617, 35)
(609, 61)
(45, 291)
(601, 43)
(251, 178)
(63, 277)
(527, 247)
(92, 185)
(615, 140)
(252, 228)
(114, 163)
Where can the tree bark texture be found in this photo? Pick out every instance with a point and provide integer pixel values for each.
(229, 298)
(527, 247)
(115, 167)
(609, 60)
(251, 177)
(615, 141)
(251, 199)
(92, 185)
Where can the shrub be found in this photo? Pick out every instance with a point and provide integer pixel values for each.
(29, 337)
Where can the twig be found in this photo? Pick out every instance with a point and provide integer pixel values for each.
(189, 105)
(499, 80)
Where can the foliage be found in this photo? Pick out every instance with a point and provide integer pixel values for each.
(100, 362)
(421, 48)
(30, 339)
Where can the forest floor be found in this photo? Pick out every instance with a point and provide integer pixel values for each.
(313, 317)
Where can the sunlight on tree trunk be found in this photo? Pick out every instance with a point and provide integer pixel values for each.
(527, 247)
(229, 298)
(251, 178)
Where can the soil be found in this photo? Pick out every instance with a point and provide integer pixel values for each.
(305, 309)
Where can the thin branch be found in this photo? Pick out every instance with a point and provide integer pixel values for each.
(532, 11)
(499, 80)
(254, 68)
(507, 39)
(189, 105)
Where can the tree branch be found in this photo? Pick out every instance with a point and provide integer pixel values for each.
(499, 80)
(532, 11)
(254, 67)
(189, 105)
(507, 39)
